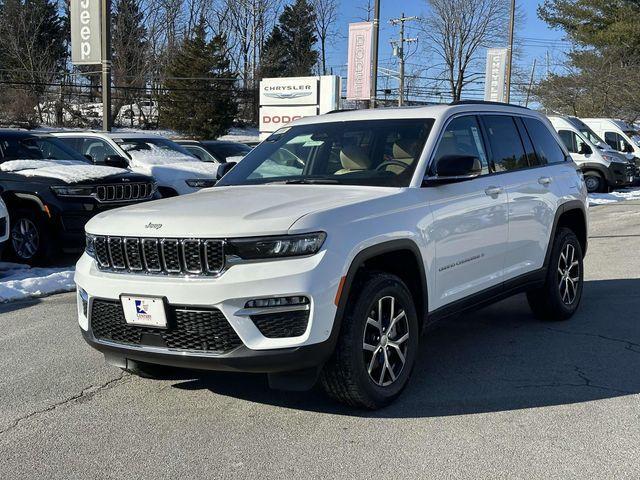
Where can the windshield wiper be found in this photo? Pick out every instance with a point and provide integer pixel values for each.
(312, 181)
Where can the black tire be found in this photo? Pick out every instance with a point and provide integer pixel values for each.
(560, 297)
(149, 370)
(42, 249)
(348, 375)
(595, 182)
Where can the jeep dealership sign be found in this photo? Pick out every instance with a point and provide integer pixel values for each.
(283, 100)
(86, 45)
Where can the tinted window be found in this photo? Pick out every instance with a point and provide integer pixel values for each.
(506, 146)
(547, 148)
(226, 150)
(36, 148)
(370, 152)
(462, 137)
(617, 142)
(569, 140)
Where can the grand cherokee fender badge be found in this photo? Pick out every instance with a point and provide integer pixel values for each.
(461, 262)
(155, 226)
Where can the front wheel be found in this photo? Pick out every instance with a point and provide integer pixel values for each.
(595, 182)
(377, 347)
(29, 241)
(560, 296)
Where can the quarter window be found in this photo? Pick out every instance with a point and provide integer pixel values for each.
(548, 150)
(462, 137)
(506, 145)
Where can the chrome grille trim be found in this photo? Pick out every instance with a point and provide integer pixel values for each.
(161, 256)
(123, 192)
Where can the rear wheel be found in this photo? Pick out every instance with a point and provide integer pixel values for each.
(595, 182)
(377, 347)
(560, 296)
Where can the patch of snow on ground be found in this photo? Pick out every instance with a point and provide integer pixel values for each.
(18, 282)
(614, 197)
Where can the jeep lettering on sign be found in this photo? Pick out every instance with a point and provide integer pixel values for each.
(85, 32)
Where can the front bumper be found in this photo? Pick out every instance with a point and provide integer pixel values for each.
(622, 174)
(228, 293)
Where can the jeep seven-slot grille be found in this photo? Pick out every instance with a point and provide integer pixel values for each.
(124, 192)
(169, 256)
(194, 329)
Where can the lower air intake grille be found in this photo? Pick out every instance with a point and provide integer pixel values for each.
(203, 330)
(282, 325)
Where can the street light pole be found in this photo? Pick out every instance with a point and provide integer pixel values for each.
(374, 54)
(107, 121)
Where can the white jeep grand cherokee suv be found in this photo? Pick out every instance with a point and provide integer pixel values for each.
(327, 251)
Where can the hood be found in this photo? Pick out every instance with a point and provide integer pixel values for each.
(184, 170)
(67, 171)
(237, 211)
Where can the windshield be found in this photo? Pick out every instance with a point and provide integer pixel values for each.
(587, 132)
(142, 144)
(227, 150)
(36, 148)
(372, 152)
(634, 136)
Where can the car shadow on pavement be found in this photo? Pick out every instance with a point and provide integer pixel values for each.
(18, 305)
(496, 359)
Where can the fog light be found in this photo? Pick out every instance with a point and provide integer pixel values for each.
(277, 302)
(84, 297)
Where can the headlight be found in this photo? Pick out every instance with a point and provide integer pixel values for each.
(277, 247)
(90, 247)
(72, 191)
(200, 183)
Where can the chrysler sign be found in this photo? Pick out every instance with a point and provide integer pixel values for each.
(86, 45)
(281, 91)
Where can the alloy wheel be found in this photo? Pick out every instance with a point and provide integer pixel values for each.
(568, 274)
(592, 183)
(25, 238)
(385, 344)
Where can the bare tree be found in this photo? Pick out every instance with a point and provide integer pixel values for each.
(457, 29)
(326, 17)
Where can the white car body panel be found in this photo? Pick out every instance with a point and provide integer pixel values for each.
(603, 125)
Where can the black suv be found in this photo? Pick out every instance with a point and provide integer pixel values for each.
(51, 192)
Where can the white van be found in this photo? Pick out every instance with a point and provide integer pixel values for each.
(619, 135)
(603, 168)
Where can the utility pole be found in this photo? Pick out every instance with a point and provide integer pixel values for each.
(533, 71)
(512, 22)
(106, 65)
(374, 54)
(398, 48)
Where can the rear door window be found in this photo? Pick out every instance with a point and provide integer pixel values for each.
(507, 150)
(547, 148)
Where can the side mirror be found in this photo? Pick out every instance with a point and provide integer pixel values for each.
(628, 148)
(116, 161)
(455, 168)
(89, 157)
(585, 149)
(224, 168)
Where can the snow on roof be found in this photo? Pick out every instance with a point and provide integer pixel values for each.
(158, 156)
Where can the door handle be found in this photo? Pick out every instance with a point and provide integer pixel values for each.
(544, 180)
(493, 191)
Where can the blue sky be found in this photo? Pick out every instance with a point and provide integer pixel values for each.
(535, 36)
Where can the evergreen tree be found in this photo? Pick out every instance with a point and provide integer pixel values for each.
(289, 50)
(200, 95)
(130, 52)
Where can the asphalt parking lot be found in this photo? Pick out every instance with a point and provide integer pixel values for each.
(495, 394)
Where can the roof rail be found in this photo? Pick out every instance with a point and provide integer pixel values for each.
(483, 102)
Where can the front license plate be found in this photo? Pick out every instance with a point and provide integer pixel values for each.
(144, 311)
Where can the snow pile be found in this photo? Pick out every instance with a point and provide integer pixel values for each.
(199, 169)
(614, 197)
(18, 282)
(158, 156)
(68, 171)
